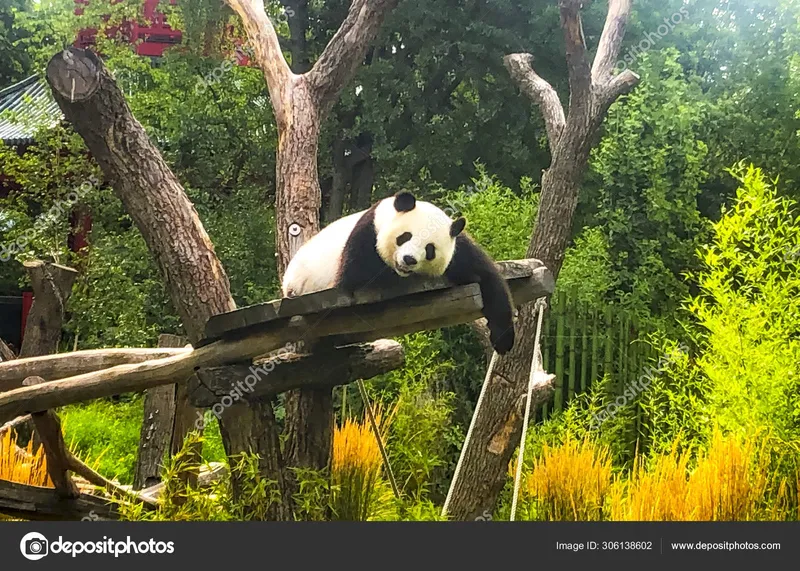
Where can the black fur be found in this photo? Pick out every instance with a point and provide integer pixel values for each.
(404, 202)
(362, 267)
(470, 264)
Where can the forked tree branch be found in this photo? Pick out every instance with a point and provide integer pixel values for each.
(520, 68)
(617, 86)
(580, 76)
(610, 40)
(267, 49)
(345, 52)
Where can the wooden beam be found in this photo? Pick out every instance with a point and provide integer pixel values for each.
(63, 365)
(327, 367)
(34, 503)
(351, 321)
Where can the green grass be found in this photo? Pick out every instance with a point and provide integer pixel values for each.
(106, 436)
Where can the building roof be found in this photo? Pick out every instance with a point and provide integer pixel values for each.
(25, 108)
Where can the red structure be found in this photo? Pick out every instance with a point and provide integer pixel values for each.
(150, 39)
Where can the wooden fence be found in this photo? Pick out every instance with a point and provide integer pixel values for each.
(582, 344)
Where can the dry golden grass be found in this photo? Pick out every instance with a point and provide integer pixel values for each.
(731, 481)
(356, 466)
(22, 465)
(570, 482)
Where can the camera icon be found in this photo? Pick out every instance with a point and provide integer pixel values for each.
(34, 546)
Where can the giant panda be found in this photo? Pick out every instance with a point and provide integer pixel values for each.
(396, 238)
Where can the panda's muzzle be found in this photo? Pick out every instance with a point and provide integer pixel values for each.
(406, 267)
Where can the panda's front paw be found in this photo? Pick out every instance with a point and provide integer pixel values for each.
(502, 341)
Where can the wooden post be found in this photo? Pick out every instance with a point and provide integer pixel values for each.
(52, 286)
(158, 437)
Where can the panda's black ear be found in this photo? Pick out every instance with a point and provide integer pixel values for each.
(457, 227)
(404, 202)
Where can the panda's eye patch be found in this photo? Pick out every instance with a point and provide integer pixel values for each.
(403, 238)
(430, 252)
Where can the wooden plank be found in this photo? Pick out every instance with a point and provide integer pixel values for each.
(63, 365)
(327, 300)
(34, 503)
(327, 367)
(368, 322)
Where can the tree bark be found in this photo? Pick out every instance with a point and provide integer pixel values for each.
(158, 434)
(301, 103)
(592, 91)
(52, 286)
(197, 283)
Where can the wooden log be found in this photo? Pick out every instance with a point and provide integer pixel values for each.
(157, 426)
(63, 365)
(6, 354)
(207, 476)
(13, 424)
(372, 321)
(48, 428)
(327, 367)
(34, 503)
(52, 285)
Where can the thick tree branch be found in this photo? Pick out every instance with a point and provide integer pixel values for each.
(520, 68)
(580, 75)
(619, 85)
(610, 40)
(345, 52)
(268, 54)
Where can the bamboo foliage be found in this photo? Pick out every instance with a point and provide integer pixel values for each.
(581, 344)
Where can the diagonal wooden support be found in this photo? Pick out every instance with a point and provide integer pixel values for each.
(48, 427)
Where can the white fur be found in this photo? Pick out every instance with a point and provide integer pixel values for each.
(316, 265)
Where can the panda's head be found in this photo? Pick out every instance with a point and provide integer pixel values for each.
(415, 237)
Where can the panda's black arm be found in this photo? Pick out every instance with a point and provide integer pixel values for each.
(361, 266)
(470, 264)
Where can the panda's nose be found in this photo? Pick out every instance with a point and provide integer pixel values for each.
(409, 260)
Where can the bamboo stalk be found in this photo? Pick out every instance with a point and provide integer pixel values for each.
(573, 341)
(584, 348)
(558, 400)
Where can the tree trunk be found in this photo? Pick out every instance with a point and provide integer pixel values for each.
(301, 99)
(498, 424)
(339, 183)
(52, 286)
(196, 281)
